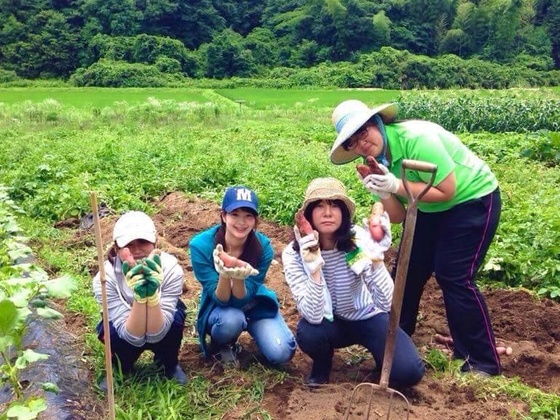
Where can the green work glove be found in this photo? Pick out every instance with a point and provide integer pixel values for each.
(126, 267)
(153, 274)
(140, 291)
(135, 280)
(357, 260)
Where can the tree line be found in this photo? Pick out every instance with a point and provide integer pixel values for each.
(171, 40)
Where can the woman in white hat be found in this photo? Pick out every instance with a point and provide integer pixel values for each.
(234, 297)
(143, 287)
(342, 287)
(456, 221)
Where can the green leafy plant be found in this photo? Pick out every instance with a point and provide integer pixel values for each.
(24, 289)
(545, 149)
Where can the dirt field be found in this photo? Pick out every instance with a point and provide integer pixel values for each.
(531, 327)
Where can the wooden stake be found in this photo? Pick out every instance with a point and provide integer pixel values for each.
(106, 331)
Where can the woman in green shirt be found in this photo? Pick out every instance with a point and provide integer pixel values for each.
(456, 221)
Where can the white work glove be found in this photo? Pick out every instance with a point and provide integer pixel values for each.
(387, 183)
(358, 260)
(239, 273)
(376, 250)
(311, 257)
(371, 187)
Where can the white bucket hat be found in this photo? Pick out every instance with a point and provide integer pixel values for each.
(134, 225)
(328, 189)
(348, 117)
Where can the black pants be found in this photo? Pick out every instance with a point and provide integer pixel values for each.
(452, 244)
(166, 351)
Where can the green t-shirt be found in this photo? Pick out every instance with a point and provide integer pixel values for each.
(429, 142)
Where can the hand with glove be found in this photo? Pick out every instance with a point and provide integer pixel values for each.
(381, 185)
(376, 249)
(358, 260)
(309, 250)
(231, 267)
(153, 274)
(135, 280)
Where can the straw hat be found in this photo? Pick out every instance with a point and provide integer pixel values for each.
(328, 189)
(348, 117)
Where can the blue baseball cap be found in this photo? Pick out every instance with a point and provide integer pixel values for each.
(240, 196)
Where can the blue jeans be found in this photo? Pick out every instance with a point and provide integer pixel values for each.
(272, 335)
(318, 341)
(452, 244)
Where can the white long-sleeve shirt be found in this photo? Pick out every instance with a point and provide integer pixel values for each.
(120, 297)
(354, 297)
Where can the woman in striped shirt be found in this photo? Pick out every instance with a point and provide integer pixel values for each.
(342, 287)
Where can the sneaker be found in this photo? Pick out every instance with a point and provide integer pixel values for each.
(319, 375)
(316, 380)
(228, 354)
(178, 375)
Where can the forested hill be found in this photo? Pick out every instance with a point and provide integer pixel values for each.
(249, 38)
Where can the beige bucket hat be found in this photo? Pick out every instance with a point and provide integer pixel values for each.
(328, 189)
(348, 117)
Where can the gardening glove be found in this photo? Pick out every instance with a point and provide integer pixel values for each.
(358, 260)
(134, 277)
(153, 274)
(126, 266)
(372, 188)
(239, 273)
(387, 183)
(374, 249)
(309, 250)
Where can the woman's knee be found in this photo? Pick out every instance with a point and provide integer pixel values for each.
(228, 323)
(228, 319)
(279, 353)
(310, 342)
(404, 375)
(408, 367)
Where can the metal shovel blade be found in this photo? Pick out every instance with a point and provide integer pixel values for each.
(370, 400)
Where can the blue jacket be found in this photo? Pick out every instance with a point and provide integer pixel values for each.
(259, 302)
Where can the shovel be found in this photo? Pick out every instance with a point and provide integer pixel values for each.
(393, 395)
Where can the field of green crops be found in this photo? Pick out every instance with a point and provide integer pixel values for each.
(131, 146)
(53, 152)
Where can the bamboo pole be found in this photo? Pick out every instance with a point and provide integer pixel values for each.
(106, 330)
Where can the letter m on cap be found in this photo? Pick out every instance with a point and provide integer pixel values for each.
(243, 194)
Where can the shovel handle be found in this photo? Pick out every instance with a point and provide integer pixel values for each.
(403, 260)
(421, 166)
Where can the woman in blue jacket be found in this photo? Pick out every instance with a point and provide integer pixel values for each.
(235, 299)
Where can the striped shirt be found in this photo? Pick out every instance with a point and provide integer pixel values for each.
(354, 297)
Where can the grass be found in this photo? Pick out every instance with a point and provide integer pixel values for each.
(542, 405)
(85, 98)
(276, 98)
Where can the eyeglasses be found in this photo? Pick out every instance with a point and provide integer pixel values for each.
(356, 138)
